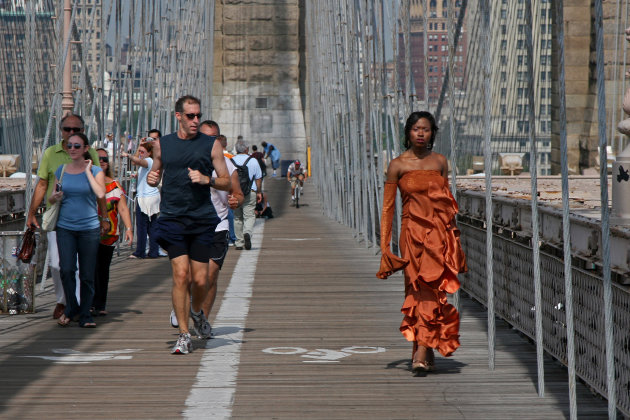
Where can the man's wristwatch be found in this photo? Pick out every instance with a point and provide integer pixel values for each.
(211, 182)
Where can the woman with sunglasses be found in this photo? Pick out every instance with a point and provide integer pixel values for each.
(78, 227)
(148, 205)
(116, 205)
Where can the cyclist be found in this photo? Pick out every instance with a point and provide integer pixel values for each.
(296, 173)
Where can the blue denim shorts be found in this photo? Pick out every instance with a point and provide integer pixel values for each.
(178, 239)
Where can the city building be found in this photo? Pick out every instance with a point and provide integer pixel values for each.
(437, 55)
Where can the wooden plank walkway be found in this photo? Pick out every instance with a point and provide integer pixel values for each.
(321, 341)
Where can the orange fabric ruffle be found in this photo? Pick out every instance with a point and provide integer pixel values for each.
(431, 256)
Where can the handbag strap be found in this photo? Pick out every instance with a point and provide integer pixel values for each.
(63, 170)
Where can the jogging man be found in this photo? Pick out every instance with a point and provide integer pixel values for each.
(184, 161)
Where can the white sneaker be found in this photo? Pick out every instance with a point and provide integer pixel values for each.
(183, 345)
(174, 322)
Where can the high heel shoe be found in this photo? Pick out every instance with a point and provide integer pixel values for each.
(426, 365)
(418, 366)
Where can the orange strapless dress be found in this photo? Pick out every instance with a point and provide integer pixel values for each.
(431, 256)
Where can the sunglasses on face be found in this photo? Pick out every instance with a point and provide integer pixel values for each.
(75, 145)
(103, 159)
(192, 116)
(72, 129)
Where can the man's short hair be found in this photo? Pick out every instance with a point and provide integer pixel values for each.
(254, 148)
(264, 144)
(211, 124)
(155, 130)
(186, 99)
(240, 146)
(69, 115)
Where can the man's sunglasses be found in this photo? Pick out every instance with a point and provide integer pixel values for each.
(72, 129)
(75, 145)
(192, 116)
(103, 159)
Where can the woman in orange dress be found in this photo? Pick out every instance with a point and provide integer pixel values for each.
(430, 249)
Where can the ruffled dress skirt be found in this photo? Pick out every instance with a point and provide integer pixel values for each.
(431, 256)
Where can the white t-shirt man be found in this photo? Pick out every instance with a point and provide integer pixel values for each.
(220, 200)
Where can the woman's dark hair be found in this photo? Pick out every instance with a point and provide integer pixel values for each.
(148, 146)
(413, 119)
(108, 171)
(82, 136)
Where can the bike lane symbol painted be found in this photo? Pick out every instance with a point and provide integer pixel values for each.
(324, 355)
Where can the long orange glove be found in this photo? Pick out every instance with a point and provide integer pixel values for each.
(390, 263)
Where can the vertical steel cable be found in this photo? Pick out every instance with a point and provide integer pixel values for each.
(566, 228)
(613, 114)
(29, 75)
(605, 213)
(451, 104)
(533, 169)
(487, 135)
(209, 62)
(116, 87)
(406, 5)
(425, 46)
(621, 138)
(101, 73)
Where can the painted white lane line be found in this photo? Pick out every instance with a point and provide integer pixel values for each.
(213, 393)
(297, 239)
(70, 356)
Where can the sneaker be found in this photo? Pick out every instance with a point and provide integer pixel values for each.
(293, 197)
(183, 345)
(174, 322)
(230, 243)
(203, 329)
(248, 241)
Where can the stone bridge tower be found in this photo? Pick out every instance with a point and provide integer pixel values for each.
(581, 84)
(257, 82)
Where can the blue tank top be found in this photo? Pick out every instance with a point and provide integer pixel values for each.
(181, 199)
(78, 209)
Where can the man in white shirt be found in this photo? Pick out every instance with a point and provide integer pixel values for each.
(245, 216)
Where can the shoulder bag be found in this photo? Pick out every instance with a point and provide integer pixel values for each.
(49, 219)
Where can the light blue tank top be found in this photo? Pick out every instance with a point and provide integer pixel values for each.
(79, 207)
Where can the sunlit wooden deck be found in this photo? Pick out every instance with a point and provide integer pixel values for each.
(320, 341)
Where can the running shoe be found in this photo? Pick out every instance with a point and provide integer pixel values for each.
(174, 322)
(183, 345)
(248, 241)
(203, 329)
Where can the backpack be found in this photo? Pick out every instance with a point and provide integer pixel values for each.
(243, 176)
